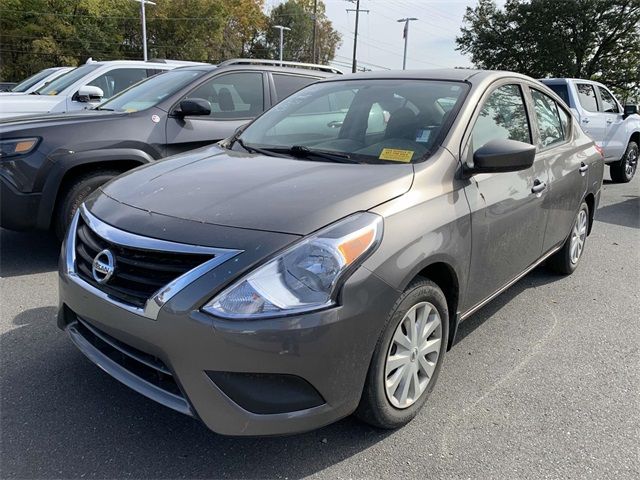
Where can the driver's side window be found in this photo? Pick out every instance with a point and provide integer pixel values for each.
(503, 116)
(233, 95)
(116, 80)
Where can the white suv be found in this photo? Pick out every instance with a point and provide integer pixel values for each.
(84, 87)
(616, 130)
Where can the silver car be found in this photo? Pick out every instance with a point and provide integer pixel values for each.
(319, 262)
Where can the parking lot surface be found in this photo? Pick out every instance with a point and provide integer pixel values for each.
(544, 382)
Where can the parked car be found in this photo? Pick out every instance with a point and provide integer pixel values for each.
(316, 263)
(36, 81)
(4, 86)
(65, 157)
(83, 88)
(614, 128)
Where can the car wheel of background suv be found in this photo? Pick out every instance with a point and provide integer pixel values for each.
(75, 194)
(623, 170)
(407, 358)
(565, 261)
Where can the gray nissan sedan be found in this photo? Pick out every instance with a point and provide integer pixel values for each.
(318, 262)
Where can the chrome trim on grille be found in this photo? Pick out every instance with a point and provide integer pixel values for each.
(127, 239)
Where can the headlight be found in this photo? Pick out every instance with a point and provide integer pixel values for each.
(304, 277)
(17, 146)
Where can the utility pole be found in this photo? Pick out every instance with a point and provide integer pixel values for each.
(354, 64)
(406, 38)
(313, 40)
(143, 19)
(282, 29)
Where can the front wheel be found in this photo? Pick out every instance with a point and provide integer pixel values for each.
(565, 261)
(407, 358)
(623, 170)
(75, 194)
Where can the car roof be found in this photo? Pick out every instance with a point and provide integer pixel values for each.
(443, 74)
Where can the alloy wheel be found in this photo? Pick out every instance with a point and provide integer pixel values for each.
(578, 236)
(413, 355)
(631, 162)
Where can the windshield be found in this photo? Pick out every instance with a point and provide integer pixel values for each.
(59, 84)
(151, 92)
(371, 121)
(26, 84)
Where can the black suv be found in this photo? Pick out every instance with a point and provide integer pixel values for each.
(49, 164)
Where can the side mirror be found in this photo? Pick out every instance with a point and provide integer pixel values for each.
(193, 107)
(89, 93)
(630, 110)
(503, 156)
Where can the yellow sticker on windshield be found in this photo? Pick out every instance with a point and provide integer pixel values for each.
(396, 155)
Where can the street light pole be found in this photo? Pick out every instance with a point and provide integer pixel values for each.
(282, 29)
(143, 19)
(406, 39)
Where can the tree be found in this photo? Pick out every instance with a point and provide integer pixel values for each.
(298, 16)
(597, 39)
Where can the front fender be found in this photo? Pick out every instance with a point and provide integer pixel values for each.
(60, 163)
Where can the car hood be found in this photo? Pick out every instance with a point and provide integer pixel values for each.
(45, 120)
(15, 105)
(217, 186)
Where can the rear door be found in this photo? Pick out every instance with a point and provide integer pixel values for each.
(568, 174)
(592, 121)
(615, 142)
(508, 213)
(235, 97)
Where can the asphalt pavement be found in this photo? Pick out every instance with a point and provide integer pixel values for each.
(544, 382)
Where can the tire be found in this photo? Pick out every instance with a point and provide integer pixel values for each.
(623, 170)
(76, 193)
(382, 409)
(566, 260)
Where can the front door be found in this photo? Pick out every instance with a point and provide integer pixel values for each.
(508, 217)
(236, 98)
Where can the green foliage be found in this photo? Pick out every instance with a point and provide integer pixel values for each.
(597, 39)
(36, 34)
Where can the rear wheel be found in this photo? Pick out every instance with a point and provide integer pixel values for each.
(623, 170)
(407, 358)
(76, 193)
(566, 260)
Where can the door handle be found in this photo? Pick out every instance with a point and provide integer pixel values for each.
(334, 124)
(583, 168)
(538, 187)
(585, 120)
(609, 121)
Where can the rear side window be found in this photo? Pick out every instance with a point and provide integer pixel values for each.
(548, 119)
(609, 104)
(587, 97)
(562, 91)
(233, 95)
(288, 84)
(503, 116)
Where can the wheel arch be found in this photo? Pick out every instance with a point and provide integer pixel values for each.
(590, 200)
(443, 274)
(67, 168)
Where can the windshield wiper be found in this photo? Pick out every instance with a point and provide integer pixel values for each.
(305, 152)
(104, 109)
(35, 92)
(252, 149)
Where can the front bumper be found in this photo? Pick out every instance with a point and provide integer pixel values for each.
(329, 350)
(18, 211)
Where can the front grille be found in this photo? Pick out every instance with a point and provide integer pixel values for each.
(138, 274)
(138, 363)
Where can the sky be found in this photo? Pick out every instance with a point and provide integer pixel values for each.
(380, 42)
